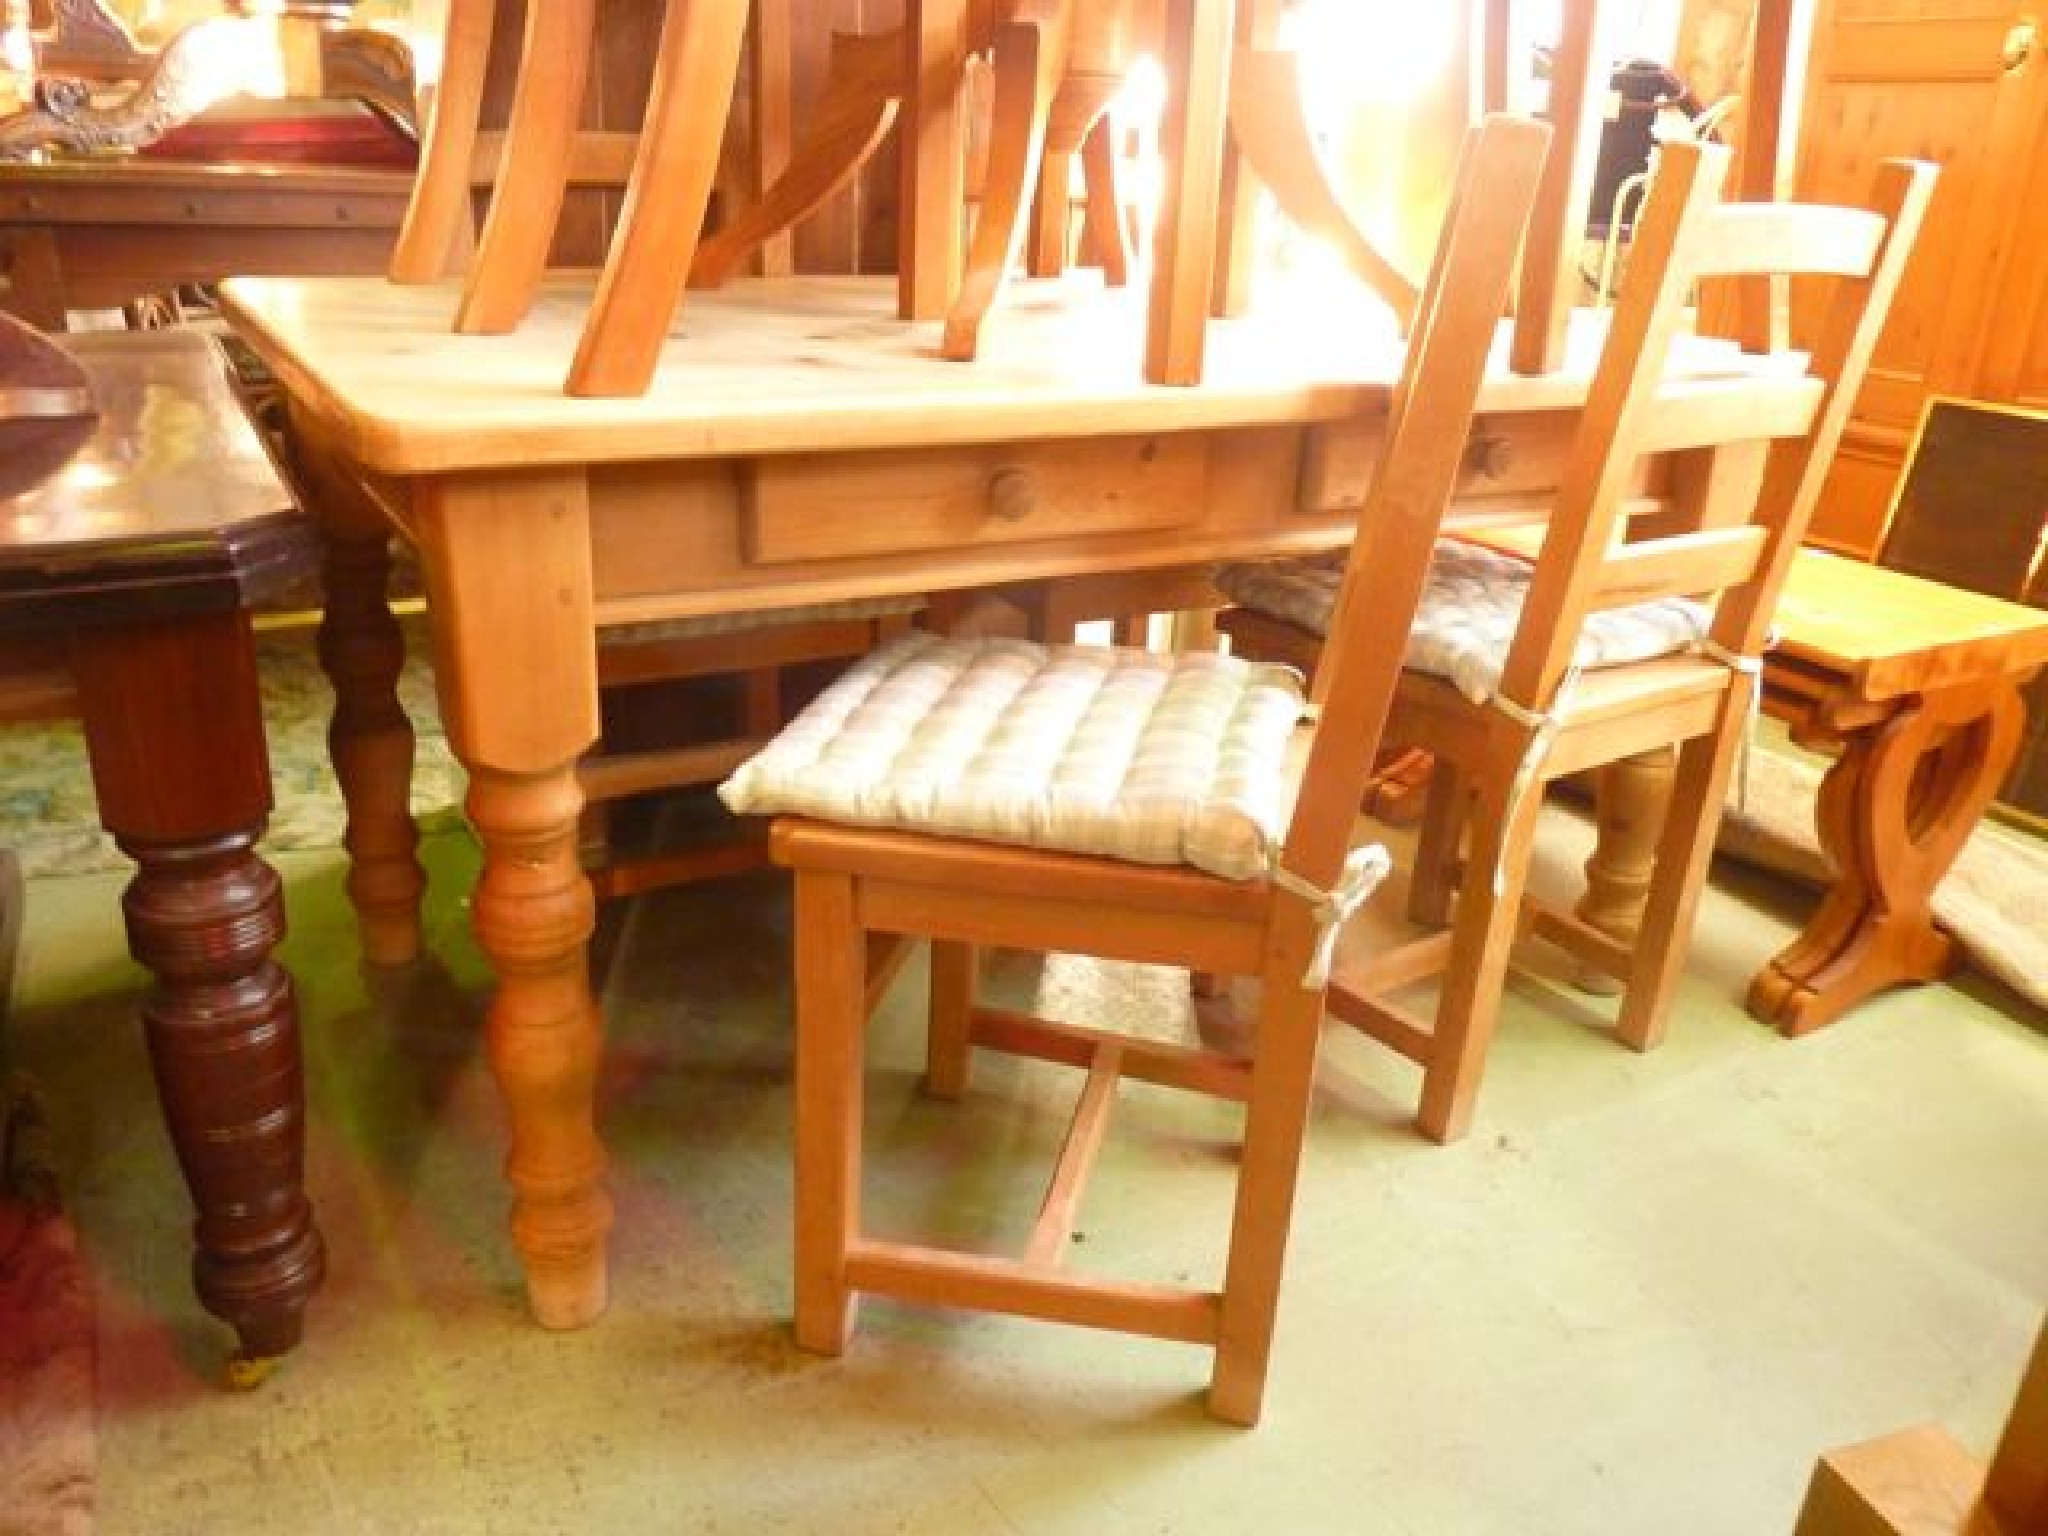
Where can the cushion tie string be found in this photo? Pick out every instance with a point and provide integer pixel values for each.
(1752, 668)
(1363, 870)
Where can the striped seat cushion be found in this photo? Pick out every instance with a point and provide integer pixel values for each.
(1468, 613)
(1156, 759)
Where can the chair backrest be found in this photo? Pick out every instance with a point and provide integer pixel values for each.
(1456, 322)
(600, 56)
(1725, 535)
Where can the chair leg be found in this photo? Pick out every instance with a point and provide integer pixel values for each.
(1276, 1122)
(1692, 820)
(831, 975)
(1482, 933)
(1103, 226)
(1435, 881)
(761, 702)
(949, 1045)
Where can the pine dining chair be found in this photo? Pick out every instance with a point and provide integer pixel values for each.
(1124, 804)
(1636, 625)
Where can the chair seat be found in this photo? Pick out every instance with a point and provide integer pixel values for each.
(1468, 614)
(1154, 759)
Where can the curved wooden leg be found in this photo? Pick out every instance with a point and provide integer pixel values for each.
(174, 726)
(1630, 797)
(1895, 810)
(554, 65)
(437, 217)
(864, 89)
(1029, 58)
(507, 563)
(1270, 126)
(1078, 106)
(1107, 237)
(673, 169)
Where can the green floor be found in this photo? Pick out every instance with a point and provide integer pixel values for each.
(1639, 1299)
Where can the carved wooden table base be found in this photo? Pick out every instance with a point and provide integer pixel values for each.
(1894, 810)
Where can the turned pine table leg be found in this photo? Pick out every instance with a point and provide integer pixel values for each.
(507, 562)
(1894, 812)
(1629, 799)
(370, 739)
(174, 728)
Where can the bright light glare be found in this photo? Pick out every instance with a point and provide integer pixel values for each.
(228, 55)
(1352, 53)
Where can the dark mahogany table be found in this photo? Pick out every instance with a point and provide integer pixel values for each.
(125, 586)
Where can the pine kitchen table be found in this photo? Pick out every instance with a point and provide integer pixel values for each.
(799, 443)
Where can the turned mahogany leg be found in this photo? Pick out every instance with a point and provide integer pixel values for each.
(174, 728)
(507, 562)
(1894, 811)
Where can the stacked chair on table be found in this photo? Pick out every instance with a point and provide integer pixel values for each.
(1129, 805)
(557, 186)
(1636, 625)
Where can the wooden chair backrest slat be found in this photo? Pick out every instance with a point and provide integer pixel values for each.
(438, 215)
(1679, 565)
(468, 143)
(597, 158)
(1701, 413)
(1760, 239)
(1638, 404)
(554, 68)
(1456, 322)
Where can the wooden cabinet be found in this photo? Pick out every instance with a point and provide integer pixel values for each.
(1963, 83)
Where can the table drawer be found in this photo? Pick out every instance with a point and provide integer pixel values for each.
(829, 506)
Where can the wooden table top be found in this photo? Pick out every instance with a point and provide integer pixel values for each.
(765, 366)
(59, 190)
(174, 500)
(1928, 633)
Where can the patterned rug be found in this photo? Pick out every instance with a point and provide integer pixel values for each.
(47, 815)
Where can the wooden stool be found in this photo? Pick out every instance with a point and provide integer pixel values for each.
(1916, 686)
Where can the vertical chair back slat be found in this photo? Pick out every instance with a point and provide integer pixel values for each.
(1455, 328)
(554, 68)
(436, 223)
